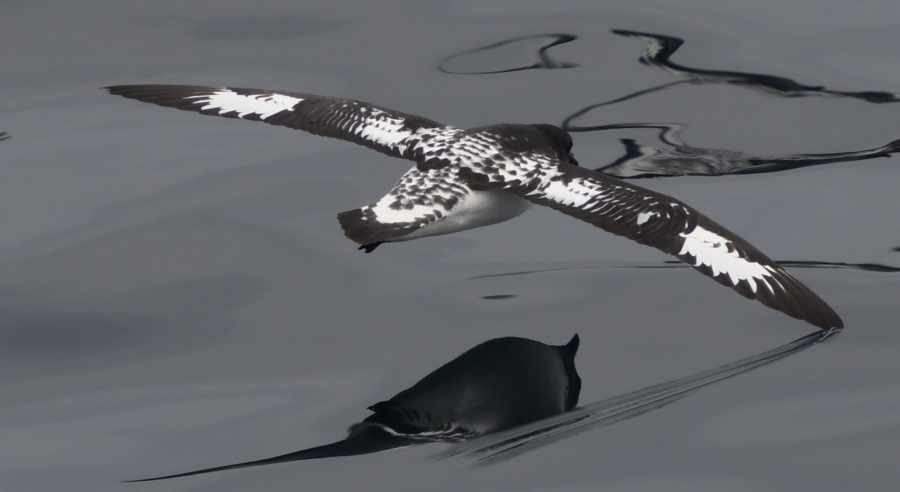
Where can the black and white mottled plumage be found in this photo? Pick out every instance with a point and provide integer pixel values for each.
(466, 178)
(498, 385)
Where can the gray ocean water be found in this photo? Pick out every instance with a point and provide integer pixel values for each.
(176, 293)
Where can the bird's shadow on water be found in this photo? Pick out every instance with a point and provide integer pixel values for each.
(509, 444)
(494, 386)
(390, 428)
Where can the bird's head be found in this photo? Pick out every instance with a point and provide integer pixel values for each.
(562, 139)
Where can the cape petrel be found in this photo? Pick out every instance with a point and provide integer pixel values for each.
(497, 385)
(467, 178)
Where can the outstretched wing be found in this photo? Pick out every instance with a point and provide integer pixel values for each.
(367, 441)
(381, 129)
(420, 198)
(656, 220)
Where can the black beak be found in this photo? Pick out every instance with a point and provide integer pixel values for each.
(572, 159)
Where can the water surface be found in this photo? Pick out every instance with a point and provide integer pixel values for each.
(177, 293)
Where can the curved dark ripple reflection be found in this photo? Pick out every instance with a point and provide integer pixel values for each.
(675, 158)
(660, 48)
(484, 60)
(4, 136)
(509, 444)
(497, 385)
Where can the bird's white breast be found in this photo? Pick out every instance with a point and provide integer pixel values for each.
(480, 208)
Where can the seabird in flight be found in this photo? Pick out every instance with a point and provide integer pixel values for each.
(471, 177)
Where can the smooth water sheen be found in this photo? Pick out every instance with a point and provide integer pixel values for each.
(177, 293)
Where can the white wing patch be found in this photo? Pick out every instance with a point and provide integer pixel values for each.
(468, 178)
(643, 217)
(397, 210)
(576, 194)
(384, 129)
(713, 250)
(261, 105)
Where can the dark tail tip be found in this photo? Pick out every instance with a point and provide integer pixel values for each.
(573, 344)
(370, 247)
(574, 388)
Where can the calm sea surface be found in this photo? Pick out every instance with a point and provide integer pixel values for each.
(176, 293)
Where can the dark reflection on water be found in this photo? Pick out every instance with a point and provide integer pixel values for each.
(499, 297)
(505, 397)
(660, 48)
(529, 272)
(509, 444)
(869, 267)
(521, 53)
(497, 385)
(676, 158)
(4, 136)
